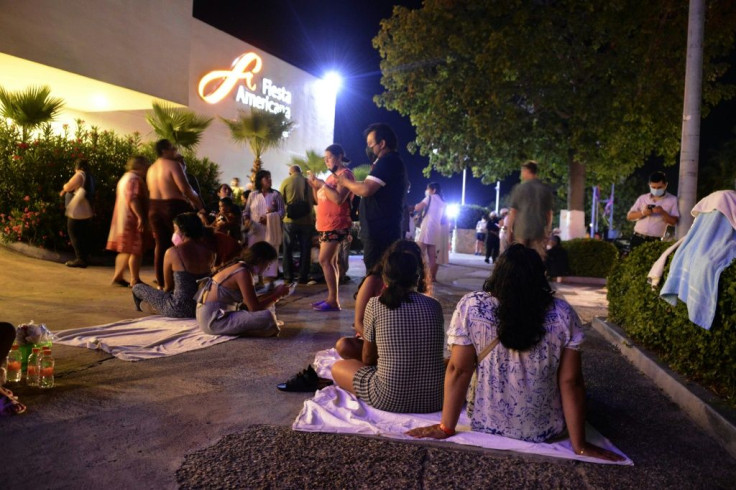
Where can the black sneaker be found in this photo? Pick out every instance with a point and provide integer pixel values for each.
(76, 263)
(303, 382)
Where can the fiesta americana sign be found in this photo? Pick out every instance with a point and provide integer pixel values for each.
(217, 84)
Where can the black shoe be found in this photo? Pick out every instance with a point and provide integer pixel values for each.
(486, 261)
(76, 263)
(303, 382)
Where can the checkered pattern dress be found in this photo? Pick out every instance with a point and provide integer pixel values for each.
(410, 373)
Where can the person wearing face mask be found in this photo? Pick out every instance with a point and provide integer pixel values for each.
(653, 212)
(227, 303)
(184, 264)
(383, 193)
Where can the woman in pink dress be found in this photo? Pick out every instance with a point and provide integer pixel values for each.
(129, 219)
(333, 221)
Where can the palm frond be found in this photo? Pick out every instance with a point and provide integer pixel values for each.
(31, 107)
(313, 162)
(260, 130)
(181, 126)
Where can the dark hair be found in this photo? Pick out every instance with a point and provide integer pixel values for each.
(228, 203)
(260, 253)
(89, 180)
(225, 186)
(523, 294)
(406, 246)
(259, 177)
(402, 271)
(338, 151)
(657, 177)
(383, 133)
(162, 145)
(435, 186)
(137, 162)
(531, 166)
(190, 225)
(556, 240)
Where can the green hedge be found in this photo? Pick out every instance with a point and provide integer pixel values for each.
(706, 356)
(590, 258)
(33, 173)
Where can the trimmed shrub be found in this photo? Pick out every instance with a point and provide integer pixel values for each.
(706, 356)
(590, 258)
(469, 216)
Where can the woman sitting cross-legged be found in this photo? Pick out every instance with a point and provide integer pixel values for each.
(523, 345)
(372, 286)
(227, 303)
(184, 264)
(402, 366)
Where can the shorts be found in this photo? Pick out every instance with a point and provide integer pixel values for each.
(480, 236)
(333, 235)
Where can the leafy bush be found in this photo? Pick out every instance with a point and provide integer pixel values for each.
(33, 173)
(706, 356)
(590, 258)
(469, 215)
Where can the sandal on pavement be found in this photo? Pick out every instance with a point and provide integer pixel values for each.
(121, 282)
(317, 303)
(326, 307)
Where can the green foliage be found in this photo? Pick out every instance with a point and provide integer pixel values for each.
(260, 130)
(559, 82)
(361, 171)
(469, 216)
(207, 174)
(181, 126)
(33, 173)
(707, 356)
(314, 162)
(718, 171)
(590, 258)
(30, 108)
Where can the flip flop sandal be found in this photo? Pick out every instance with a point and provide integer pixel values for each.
(121, 282)
(326, 307)
(318, 303)
(9, 404)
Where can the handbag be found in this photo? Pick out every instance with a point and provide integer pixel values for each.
(424, 213)
(474, 380)
(78, 206)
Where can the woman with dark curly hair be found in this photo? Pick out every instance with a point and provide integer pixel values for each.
(402, 367)
(523, 345)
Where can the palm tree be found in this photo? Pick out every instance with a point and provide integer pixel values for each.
(261, 131)
(314, 162)
(181, 126)
(30, 108)
(361, 171)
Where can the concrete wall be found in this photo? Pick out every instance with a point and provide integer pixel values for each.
(142, 45)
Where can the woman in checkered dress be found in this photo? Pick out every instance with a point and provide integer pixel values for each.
(402, 368)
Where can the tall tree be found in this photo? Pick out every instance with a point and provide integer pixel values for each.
(29, 108)
(313, 162)
(590, 89)
(181, 126)
(261, 131)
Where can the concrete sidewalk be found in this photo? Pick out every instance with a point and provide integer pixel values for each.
(213, 419)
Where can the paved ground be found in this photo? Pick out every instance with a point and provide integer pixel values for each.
(213, 418)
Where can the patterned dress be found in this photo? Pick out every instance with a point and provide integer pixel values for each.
(124, 236)
(410, 373)
(517, 394)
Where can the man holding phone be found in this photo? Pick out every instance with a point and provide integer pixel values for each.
(653, 212)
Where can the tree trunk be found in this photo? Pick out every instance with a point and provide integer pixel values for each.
(253, 171)
(690, 143)
(575, 186)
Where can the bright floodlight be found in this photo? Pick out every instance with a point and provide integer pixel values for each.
(333, 80)
(452, 211)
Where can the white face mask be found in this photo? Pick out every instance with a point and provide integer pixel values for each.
(426, 193)
(176, 239)
(657, 192)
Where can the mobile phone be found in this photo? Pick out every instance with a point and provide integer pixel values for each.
(651, 206)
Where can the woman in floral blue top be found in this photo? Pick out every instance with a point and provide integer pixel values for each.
(530, 385)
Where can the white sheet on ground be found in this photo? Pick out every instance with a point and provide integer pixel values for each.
(335, 410)
(138, 339)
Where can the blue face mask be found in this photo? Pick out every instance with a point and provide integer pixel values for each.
(656, 192)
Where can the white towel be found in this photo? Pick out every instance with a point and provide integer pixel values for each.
(335, 410)
(142, 338)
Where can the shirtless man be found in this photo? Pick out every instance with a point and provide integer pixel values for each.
(170, 195)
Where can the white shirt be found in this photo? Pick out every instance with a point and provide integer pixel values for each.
(654, 225)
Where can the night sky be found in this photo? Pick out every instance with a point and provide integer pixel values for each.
(322, 35)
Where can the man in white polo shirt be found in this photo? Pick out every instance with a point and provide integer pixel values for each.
(653, 212)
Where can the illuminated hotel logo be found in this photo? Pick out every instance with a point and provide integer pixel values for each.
(272, 98)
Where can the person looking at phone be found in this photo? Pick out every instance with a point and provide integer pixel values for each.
(653, 212)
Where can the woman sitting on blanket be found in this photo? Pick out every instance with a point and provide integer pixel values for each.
(227, 303)
(189, 260)
(523, 345)
(403, 333)
(372, 286)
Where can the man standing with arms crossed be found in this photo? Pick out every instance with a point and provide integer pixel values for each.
(170, 195)
(383, 194)
(530, 218)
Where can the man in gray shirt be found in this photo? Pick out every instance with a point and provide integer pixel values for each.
(530, 218)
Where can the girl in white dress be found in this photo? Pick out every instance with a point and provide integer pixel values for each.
(432, 208)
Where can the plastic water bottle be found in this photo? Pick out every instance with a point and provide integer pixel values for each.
(32, 372)
(15, 359)
(46, 369)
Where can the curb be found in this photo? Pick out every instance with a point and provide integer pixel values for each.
(696, 405)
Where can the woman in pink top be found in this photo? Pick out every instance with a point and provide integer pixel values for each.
(333, 220)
